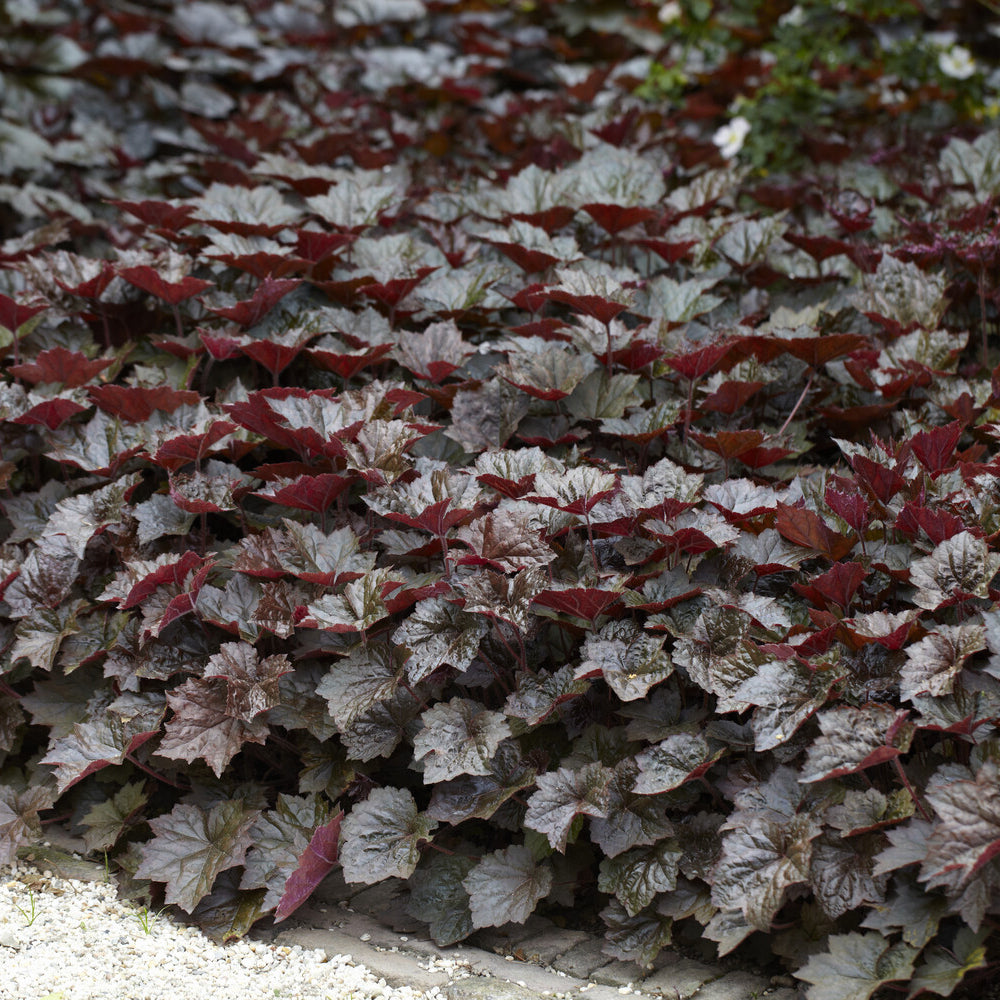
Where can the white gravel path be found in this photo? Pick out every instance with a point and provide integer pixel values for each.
(64, 939)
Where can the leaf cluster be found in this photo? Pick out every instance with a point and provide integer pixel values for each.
(421, 455)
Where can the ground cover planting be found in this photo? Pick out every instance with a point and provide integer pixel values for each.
(543, 452)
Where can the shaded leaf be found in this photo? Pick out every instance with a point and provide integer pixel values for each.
(381, 836)
(111, 732)
(479, 796)
(637, 876)
(251, 683)
(105, 823)
(942, 969)
(842, 874)
(191, 846)
(202, 728)
(762, 857)
(677, 759)
(458, 737)
(630, 660)
(966, 834)
(505, 886)
(357, 683)
(438, 633)
(855, 966)
(438, 897)
(933, 664)
(538, 695)
(565, 794)
(854, 739)
(961, 566)
(636, 938)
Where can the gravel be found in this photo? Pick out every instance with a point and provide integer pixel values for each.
(65, 939)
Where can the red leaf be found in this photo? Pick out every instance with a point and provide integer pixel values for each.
(837, 585)
(184, 448)
(436, 519)
(730, 396)
(220, 348)
(805, 528)
(818, 247)
(267, 295)
(937, 524)
(883, 482)
(615, 218)
(160, 214)
(348, 365)
(136, 404)
(92, 288)
(181, 605)
(14, 315)
(255, 415)
(729, 444)
(601, 309)
(316, 246)
(531, 298)
(314, 493)
(391, 293)
(852, 507)
(935, 448)
(174, 573)
(847, 422)
(508, 487)
(549, 219)
(403, 398)
(586, 603)
(56, 364)
(272, 356)
(695, 364)
(757, 458)
(548, 328)
(635, 357)
(403, 598)
(172, 293)
(816, 351)
(670, 251)
(314, 865)
(50, 413)
(529, 261)
(262, 264)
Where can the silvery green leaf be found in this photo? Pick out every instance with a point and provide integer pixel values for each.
(381, 836)
(505, 887)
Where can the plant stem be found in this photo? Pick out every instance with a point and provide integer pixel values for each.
(909, 788)
(154, 774)
(795, 408)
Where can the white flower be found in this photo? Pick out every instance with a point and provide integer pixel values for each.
(793, 18)
(730, 137)
(670, 12)
(957, 62)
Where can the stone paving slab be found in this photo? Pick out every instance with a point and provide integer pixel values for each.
(464, 972)
(531, 960)
(618, 973)
(582, 959)
(684, 976)
(396, 970)
(733, 986)
(545, 948)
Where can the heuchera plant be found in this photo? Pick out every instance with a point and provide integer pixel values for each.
(426, 458)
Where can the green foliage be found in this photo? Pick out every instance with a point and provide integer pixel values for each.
(819, 67)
